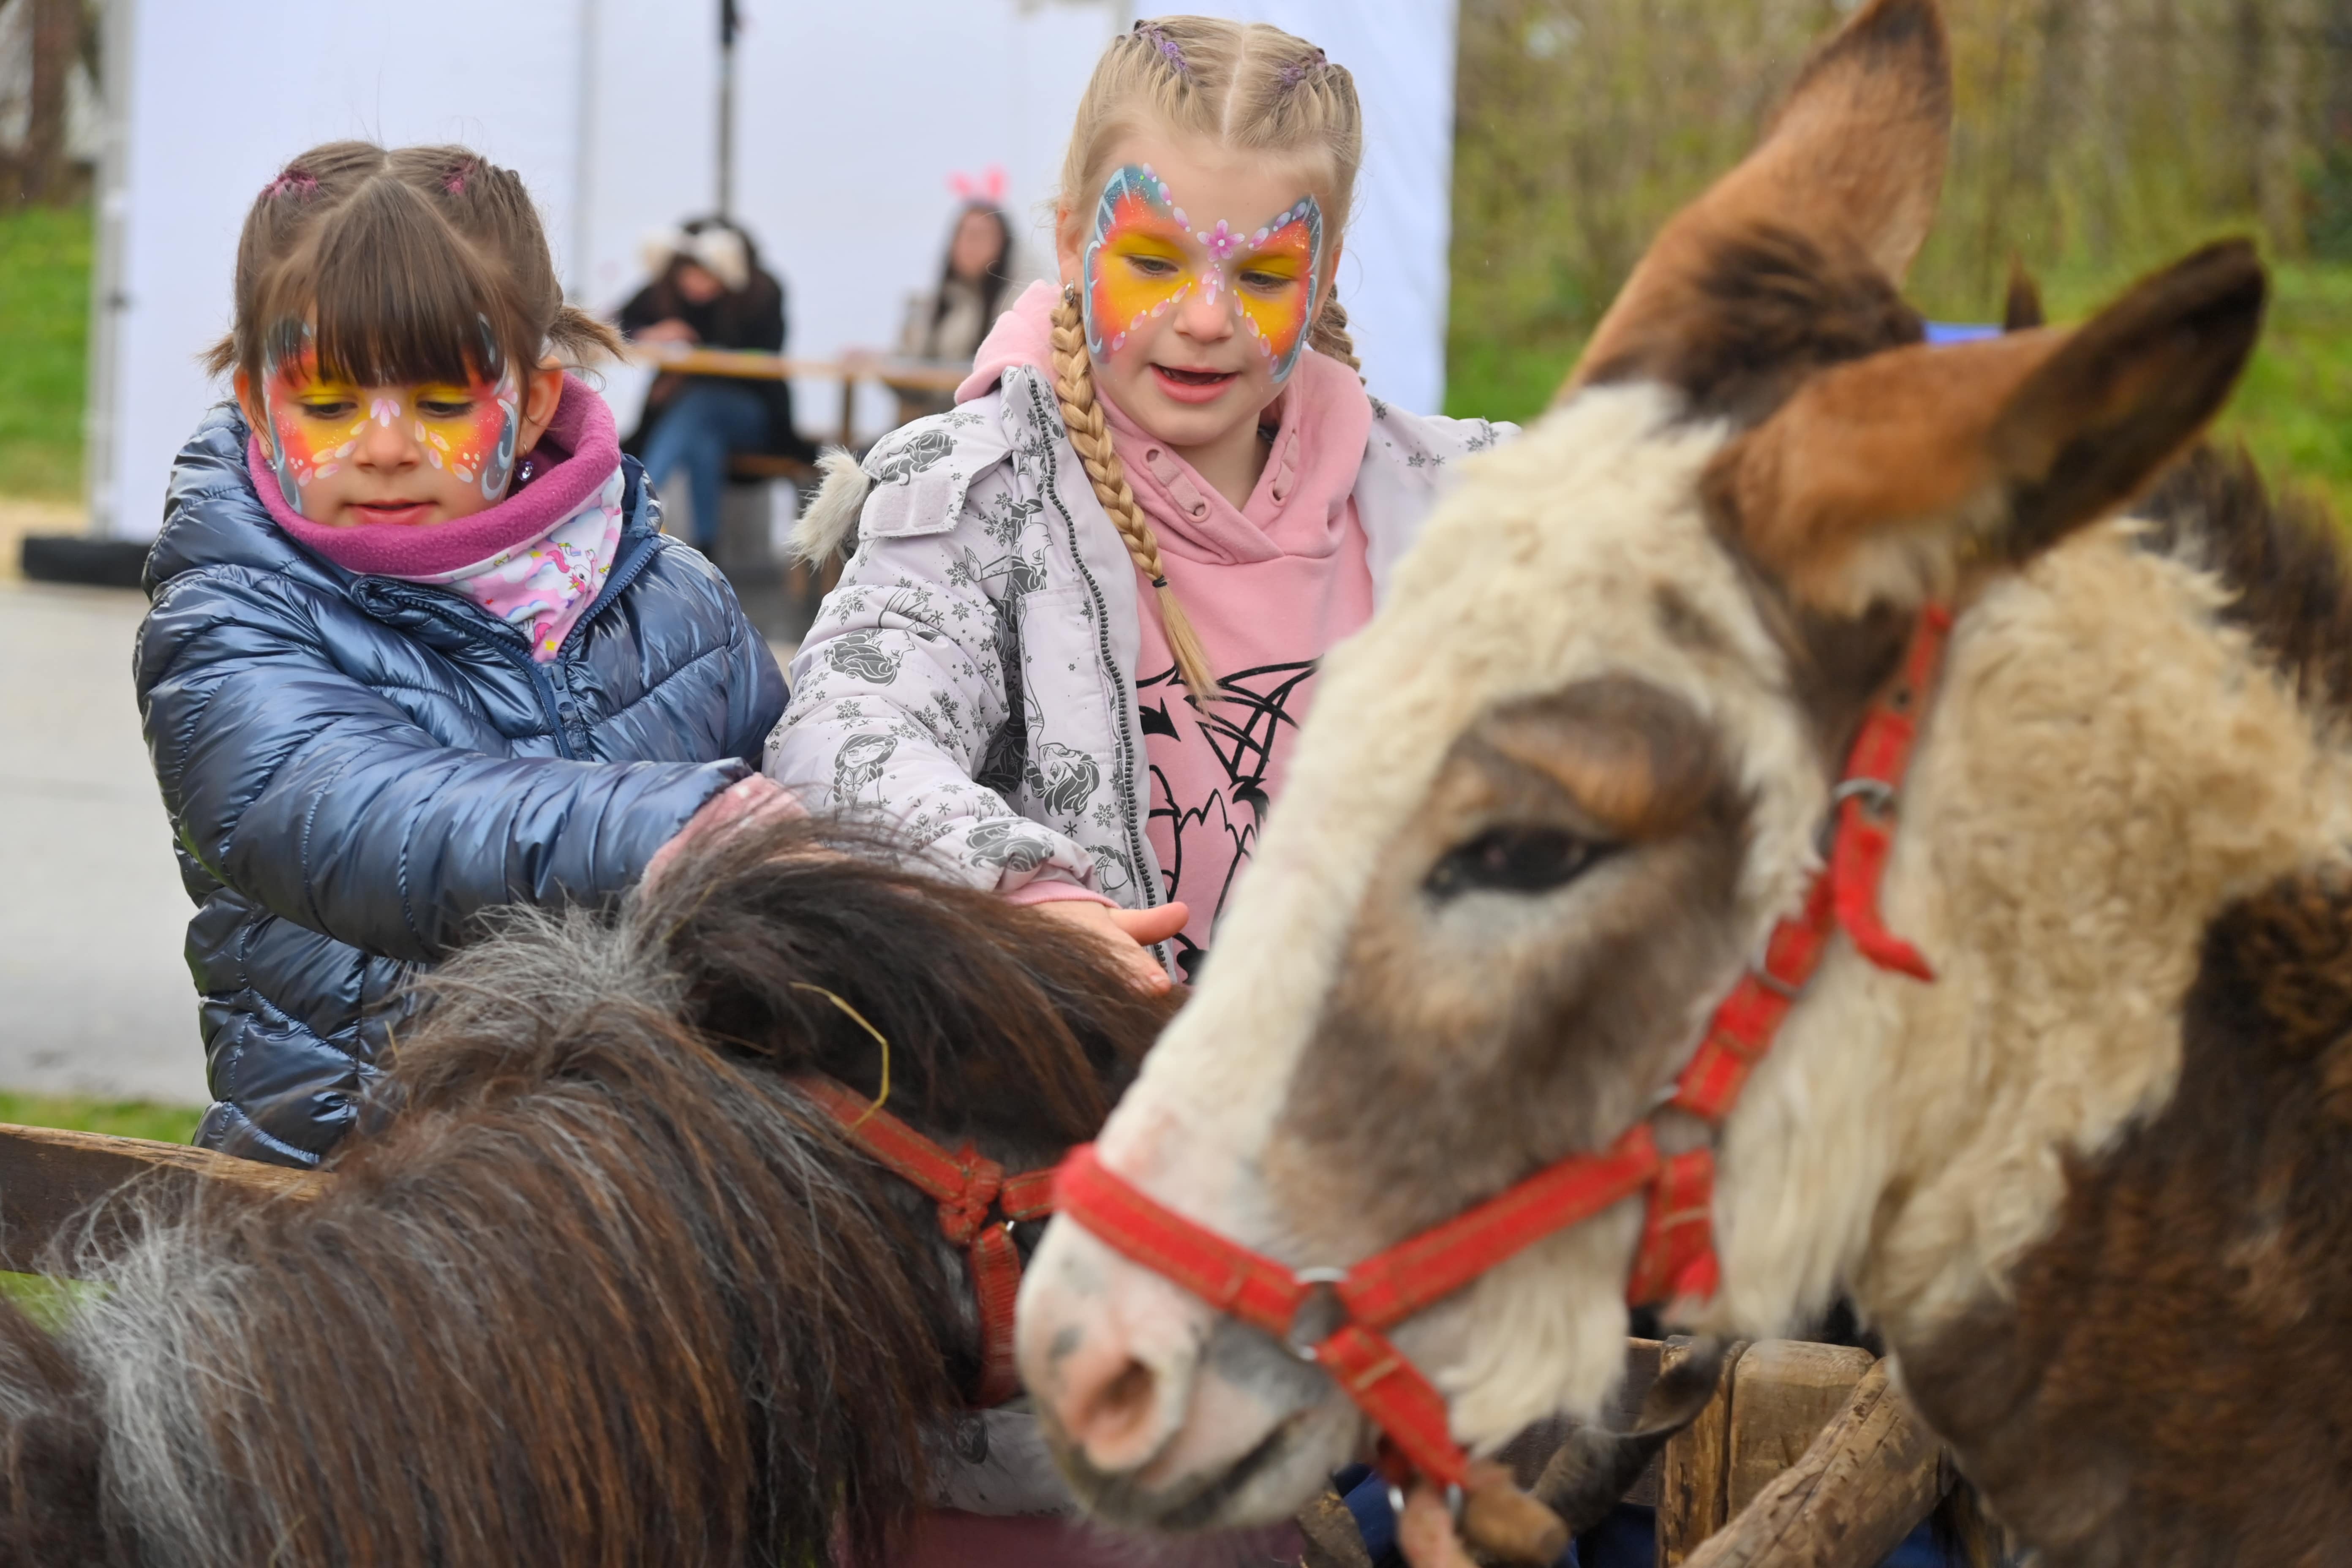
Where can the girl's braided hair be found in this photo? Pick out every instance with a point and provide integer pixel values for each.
(404, 264)
(1243, 84)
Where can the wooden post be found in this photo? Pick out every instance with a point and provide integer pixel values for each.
(1783, 1392)
(1863, 1485)
(1694, 1471)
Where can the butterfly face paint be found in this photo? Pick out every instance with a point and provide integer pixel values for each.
(1147, 256)
(468, 430)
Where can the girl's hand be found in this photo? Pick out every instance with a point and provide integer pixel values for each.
(745, 803)
(1129, 932)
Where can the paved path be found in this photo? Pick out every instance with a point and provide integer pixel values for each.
(94, 997)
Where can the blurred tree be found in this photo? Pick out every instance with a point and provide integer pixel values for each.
(41, 41)
(2091, 133)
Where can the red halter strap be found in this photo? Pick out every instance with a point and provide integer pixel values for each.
(972, 1192)
(1677, 1257)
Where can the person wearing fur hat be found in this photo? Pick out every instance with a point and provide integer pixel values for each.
(708, 289)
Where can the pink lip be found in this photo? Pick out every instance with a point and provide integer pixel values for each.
(408, 512)
(1188, 392)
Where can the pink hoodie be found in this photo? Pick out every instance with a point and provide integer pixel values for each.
(1270, 586)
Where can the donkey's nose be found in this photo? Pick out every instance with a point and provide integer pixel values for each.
(1107, 1352)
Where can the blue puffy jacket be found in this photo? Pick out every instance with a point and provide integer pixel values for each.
(356, 767)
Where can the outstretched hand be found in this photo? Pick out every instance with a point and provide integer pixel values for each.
(743, 804)
(1130, 933)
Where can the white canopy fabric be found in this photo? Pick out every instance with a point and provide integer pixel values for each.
(851, 121)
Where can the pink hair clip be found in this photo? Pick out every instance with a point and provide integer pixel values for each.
(290, 182)
(1291, 75)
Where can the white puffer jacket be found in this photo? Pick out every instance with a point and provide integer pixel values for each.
(972, 679)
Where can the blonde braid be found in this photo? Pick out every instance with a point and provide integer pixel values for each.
(1073, 383)
(1330, 336)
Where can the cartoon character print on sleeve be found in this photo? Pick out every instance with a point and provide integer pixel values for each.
(922, 448)
(1010, 844)
(858, 769)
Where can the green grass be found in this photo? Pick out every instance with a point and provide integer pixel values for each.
(2293, 409)
(118, 1118)
(45, 258)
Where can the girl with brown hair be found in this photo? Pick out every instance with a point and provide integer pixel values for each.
(1093, 687)
(416, 645)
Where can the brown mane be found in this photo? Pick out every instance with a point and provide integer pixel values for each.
(2281, 556)
(597, 1286)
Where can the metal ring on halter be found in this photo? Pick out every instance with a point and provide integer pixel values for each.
(1322, 1285)
(1877, 793)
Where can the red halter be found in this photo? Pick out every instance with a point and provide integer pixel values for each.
(1676, 1259)
(971, 1193)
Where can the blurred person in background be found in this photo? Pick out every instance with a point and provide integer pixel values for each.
(976, 282)
(709, 290)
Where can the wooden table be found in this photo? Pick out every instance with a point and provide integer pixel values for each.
(887, 370)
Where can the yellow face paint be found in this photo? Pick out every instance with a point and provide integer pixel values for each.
(1146, 257)
(315, 423)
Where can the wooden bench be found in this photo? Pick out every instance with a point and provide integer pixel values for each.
(1805, 1457)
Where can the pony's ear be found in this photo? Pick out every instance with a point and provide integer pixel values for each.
(1822, 220)
(1877, 478)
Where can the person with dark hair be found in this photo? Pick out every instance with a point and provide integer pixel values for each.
(976, 282)
(416, 647)
(709, 290)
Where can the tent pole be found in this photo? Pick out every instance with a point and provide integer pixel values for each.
(108, 298)
(727, 23)
(584, 157)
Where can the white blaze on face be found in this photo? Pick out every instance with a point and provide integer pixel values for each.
(1542, 569)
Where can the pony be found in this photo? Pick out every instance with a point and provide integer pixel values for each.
(2084, 1166)
(596, 1283)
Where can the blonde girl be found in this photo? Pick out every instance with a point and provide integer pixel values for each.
(1082, 621)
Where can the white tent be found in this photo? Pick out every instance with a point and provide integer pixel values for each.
(851, 120)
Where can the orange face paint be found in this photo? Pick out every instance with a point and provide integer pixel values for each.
(1146, 257)
(315, 423)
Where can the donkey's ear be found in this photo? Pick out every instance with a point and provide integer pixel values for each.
(1877, 478)
(1793, 259)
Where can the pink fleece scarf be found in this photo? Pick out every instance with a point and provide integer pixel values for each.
(535, 560)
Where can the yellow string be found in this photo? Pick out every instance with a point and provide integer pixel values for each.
(859, 1019)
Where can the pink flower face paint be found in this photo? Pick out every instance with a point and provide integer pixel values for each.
(471, 431)
(1147, 256)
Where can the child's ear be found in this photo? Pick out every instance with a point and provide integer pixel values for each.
(250, 406)
(539, 401)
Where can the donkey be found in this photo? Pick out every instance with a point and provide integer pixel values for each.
(599, 1283)
(2088, 1181)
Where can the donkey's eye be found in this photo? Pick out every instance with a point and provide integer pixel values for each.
(1515, 861)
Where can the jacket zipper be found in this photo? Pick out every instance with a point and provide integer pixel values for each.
(1137, 857)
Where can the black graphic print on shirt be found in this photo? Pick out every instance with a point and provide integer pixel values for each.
(1258, 716)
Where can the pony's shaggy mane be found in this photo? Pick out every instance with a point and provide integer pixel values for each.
(2281, 557)
(594, 1286)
